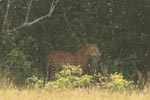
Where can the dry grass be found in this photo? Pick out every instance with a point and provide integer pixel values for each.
(76, 94)
(9, 92)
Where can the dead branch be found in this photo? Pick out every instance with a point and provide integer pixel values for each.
(26, 23)
(28, 11)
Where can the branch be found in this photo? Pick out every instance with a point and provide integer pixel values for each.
(51, 10)
(5, 20)
(28, 11)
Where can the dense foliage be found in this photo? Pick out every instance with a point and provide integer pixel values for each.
(119, 27)
(71, 77)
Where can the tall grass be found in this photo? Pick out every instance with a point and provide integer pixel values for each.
(10, 92)
(71, 94)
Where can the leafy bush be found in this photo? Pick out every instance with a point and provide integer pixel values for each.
(18, 67)
(34, 82)
(70, 77)
(115, 82)
(125, 65)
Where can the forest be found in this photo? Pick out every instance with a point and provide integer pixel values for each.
(31, 29)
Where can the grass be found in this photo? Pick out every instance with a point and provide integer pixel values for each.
(68, 94)
(10, 92)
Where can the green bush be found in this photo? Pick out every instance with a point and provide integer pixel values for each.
(34, 82)
(70, 77)
(18, 67)
(115, 82)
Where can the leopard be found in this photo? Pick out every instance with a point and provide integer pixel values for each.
(88, 55)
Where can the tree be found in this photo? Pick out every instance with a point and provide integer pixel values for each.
(35, 28)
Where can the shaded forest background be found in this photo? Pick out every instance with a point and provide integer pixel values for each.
(30, 29)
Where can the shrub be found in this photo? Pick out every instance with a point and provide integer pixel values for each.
(34, 82)
(125, 65)
(116, 82)
(70, 77)
(18, 67)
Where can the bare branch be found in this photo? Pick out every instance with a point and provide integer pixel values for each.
(53, 5)
(5, 20)
(28, 11)
(51, 10)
